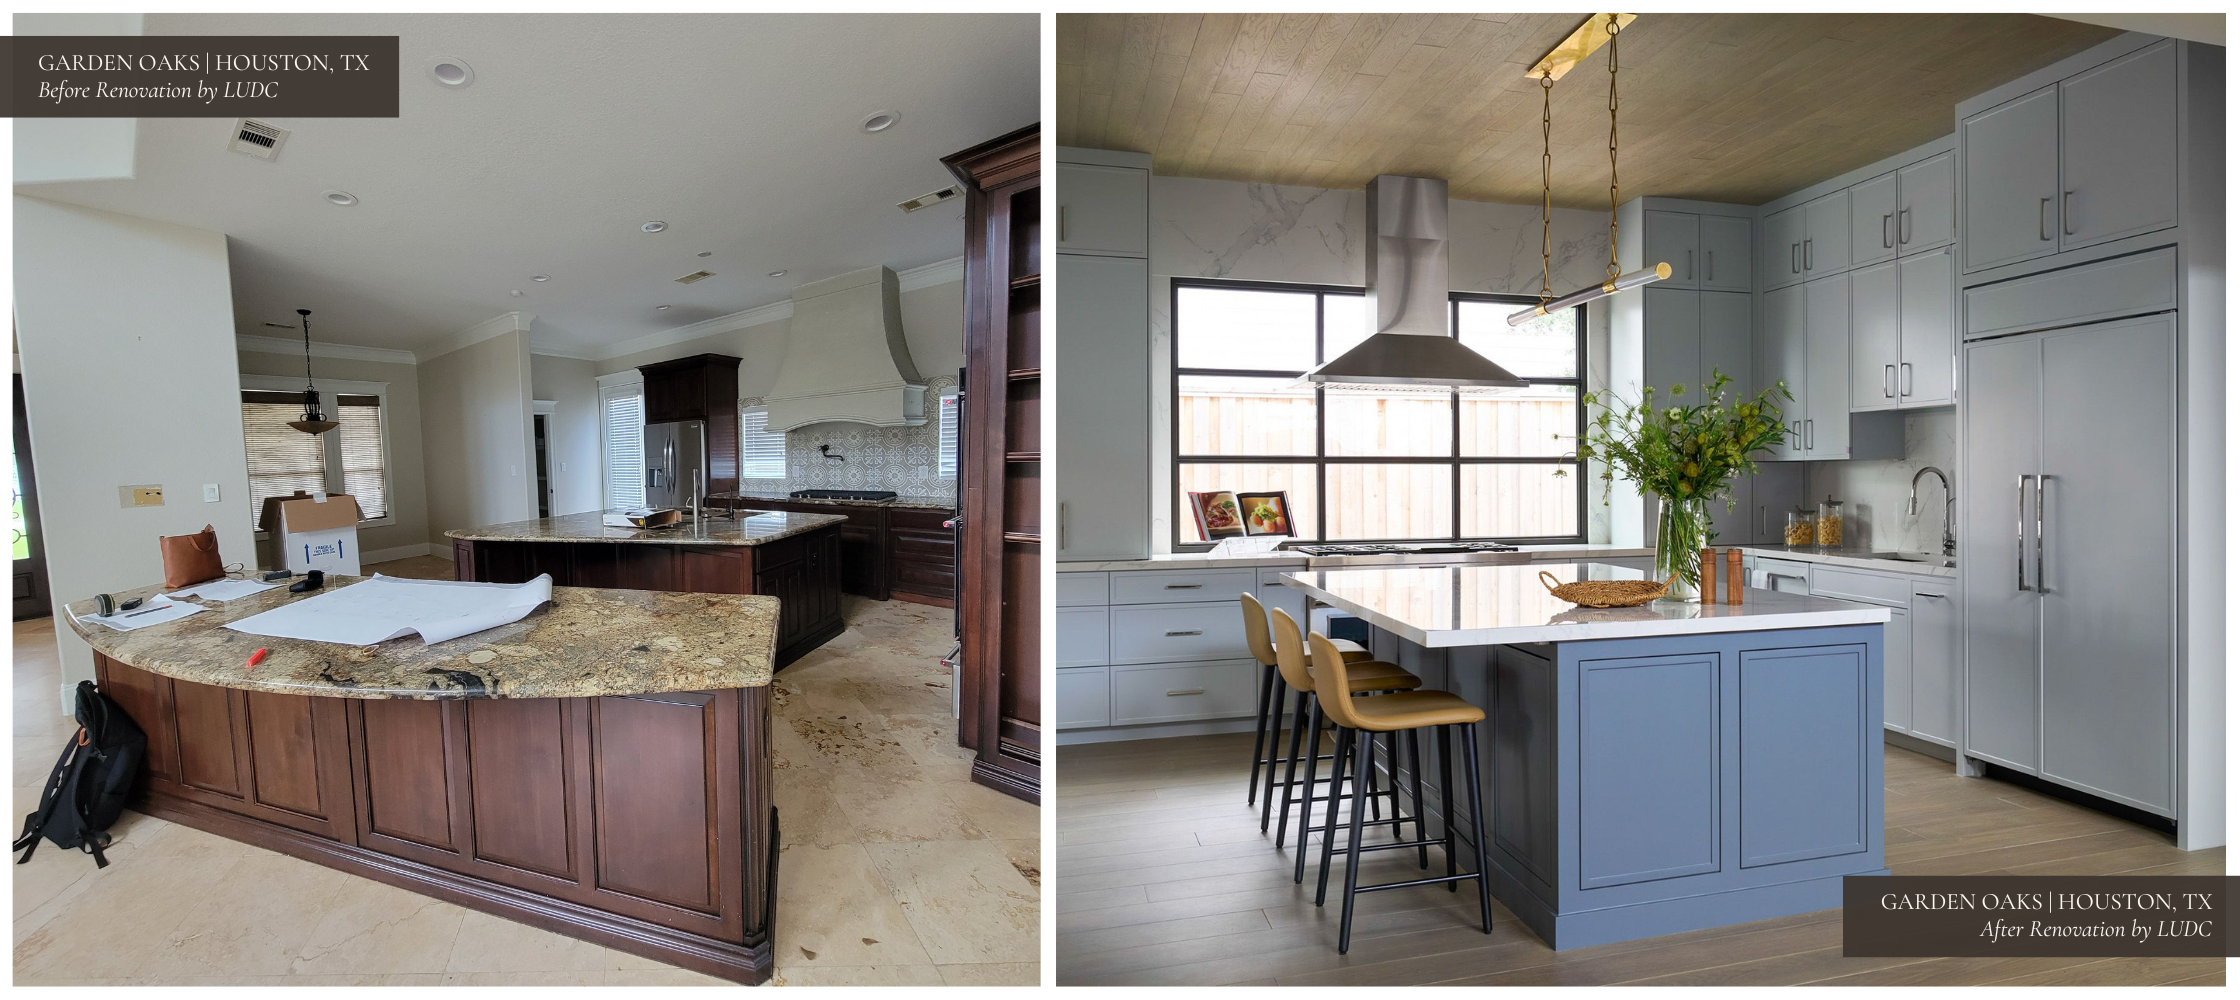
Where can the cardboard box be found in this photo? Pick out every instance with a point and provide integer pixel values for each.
(306, 533)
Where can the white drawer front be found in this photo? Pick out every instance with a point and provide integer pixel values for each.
(1183, 692)
(1077, 589)
(1275, 595)
(1084, 697)
(1178, 586)
(1859, 585)
(1174, 632)
(1084, 635)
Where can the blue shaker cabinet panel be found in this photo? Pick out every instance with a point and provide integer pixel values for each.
(1521, 774)
(1804, 741)
(1648, 768)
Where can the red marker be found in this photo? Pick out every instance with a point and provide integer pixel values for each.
(256, 658)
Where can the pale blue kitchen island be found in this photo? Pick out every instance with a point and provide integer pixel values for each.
(1647, 770)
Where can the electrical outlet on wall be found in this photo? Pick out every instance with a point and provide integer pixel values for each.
(209, 493)
(150, 495)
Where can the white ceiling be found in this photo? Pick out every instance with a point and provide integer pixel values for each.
(740, 131)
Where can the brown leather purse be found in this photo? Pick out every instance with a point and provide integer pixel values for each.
(191, 559)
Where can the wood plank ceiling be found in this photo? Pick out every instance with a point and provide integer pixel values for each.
(1737, 108)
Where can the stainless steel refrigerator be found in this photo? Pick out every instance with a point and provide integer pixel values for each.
(676, 463)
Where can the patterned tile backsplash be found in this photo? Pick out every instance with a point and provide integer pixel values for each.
(902, 459)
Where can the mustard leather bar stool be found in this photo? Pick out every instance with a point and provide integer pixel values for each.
(1267, 726)
(1404, 712)
(1367, 677)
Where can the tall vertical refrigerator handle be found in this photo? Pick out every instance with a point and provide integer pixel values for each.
(1061, 526)
(2021, 512)
(2041, 527)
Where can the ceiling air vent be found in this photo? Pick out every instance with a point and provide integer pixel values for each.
(695, 276)
(930, 200)
(254, 138)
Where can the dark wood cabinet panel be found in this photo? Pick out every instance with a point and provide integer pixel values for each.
(406, 780)
(655, 778)
(712, 570)
(283, 755)
(208, 758)
(702, 387)
(518, 775)
(145, 697)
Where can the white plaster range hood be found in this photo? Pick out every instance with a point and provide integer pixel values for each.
(845, 357)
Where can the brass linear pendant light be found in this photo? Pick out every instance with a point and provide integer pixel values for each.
(1570, 52)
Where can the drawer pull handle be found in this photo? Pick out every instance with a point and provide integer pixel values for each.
(1184, 586)
(1185, 691)
(1171, 633)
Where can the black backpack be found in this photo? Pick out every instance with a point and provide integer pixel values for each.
(87, 791)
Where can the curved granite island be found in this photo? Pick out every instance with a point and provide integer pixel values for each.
(794, 557)
(600, 768)
(1647, 770)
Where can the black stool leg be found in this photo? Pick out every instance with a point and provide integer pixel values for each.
(1376, 808)
(1347, 739)
(1392, 780)
(1477, 823)
(1446, 798)
(1415, 777)
(1353, 848)
(1306, 798)
(1260, 735)
(1290, 773)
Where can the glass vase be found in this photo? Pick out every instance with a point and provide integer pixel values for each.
(1683, 526)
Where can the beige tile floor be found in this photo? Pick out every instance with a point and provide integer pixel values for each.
(896, 869)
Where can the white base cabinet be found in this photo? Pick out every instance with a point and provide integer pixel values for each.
(1160, 652)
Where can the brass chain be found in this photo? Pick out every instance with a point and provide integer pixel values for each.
(1613, 27)
(1547, 88)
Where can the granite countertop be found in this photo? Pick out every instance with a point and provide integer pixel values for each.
(588, 527)
(1211, 560)
(1483, 605)
(1920, 563)
(585, 643)
(936, 503)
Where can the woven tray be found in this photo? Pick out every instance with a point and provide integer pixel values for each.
(1607, 593)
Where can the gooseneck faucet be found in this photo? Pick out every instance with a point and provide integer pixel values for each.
(1913, 502)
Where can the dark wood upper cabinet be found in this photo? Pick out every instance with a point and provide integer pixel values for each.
(999, 482)
(701, 387)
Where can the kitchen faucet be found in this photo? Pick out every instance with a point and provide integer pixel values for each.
(1913, 502)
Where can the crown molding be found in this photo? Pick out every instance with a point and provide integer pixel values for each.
(579, 354)
(347, 352)
(740, 320)
(503, 323)
(940, 272)
(627, 376)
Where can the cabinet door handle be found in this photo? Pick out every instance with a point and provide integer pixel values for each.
(1888, 373)
(1691, 265)
(1905, 226)
(1940, 597)
(1061, 521)
(1711, 265)
(1184, 586)
(1886, 230)
(2041, 519)
(1808, 255)
(1181, 692)
(1793, 257)
(1061, 223)
(2043, 204)
(2021, 507)
(1172, 633)
(2068, 213)
(1808, 434)
(1905, 378)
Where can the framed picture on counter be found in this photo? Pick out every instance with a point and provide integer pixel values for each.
(1217, 515)
(1266, 513)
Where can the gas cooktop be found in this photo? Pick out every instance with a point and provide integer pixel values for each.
(1399, 548)
(844, 494)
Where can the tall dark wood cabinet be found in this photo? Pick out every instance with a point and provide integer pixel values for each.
(701, 387)
(1000, 482)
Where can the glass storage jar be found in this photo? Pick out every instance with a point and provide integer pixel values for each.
(1798, 533)
(1828, 529)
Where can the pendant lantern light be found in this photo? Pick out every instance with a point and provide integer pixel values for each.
(1570, 52)
(314, 419)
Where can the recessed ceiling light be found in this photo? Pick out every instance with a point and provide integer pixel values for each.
(540, 277)
(654, 226)
(516, 293)
(659, 308)
(706, 253)
(342, 198)
(880, 121)
(451, 72)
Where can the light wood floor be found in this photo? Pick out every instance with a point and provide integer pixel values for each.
(1164, 878)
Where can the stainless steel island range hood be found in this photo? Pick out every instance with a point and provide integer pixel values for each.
(1409, 345)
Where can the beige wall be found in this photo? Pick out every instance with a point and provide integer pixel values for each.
(408, 489)
(572, 432)
(476, 444)
(932, 321)
(125, 331)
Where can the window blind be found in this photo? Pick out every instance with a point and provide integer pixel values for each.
(365, 473)
(626, 450)
(762, 454)
(282, 459)
(948, 445)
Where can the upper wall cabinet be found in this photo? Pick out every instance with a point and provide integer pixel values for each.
(1705, 251)
(1670, 237)
(1101, 210)
(1781, 253)
(2090, 159)
(1827, 235)
(1874, 219)
(1724, 242)
(1925, 205)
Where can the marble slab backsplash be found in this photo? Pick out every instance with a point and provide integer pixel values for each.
(902, 459)
(1874, 492)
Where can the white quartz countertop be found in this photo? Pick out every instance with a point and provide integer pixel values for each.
(1210, 560)
(1480, 605)
(1921, 563)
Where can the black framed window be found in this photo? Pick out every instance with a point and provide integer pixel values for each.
(1389, 465)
